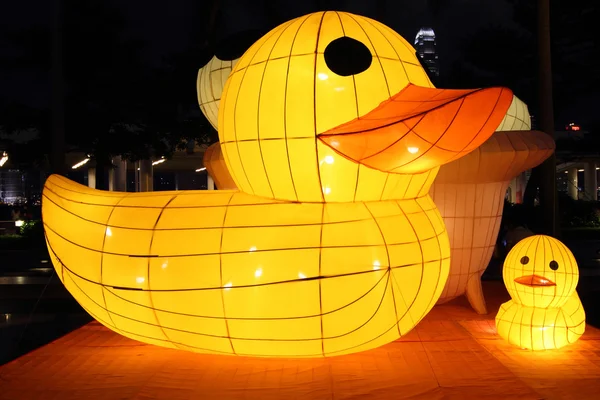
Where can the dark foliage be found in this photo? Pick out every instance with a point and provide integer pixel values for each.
(115, 104)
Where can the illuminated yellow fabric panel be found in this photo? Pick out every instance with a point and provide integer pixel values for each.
(209, 86)
(281, 92)
(354, 277)
(217, 168)
(470, 195)
(517, 117)
(541, 274)
(325, 249)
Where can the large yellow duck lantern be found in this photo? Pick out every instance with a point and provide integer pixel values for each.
(333, 134)
(545, 312)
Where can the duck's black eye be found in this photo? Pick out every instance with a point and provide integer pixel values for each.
(524, 260)
(553, 265)
(346, 56)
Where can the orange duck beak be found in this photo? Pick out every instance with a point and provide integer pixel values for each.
(534, 281)
(421, 128)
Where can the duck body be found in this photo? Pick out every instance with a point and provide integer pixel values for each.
(332, 244)
(536, 328)
(230, 273)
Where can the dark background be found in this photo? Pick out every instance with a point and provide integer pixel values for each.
(480, 42)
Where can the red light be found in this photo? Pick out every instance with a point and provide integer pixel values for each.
(575, 128)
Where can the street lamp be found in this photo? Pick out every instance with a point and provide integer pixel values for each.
(80, 163)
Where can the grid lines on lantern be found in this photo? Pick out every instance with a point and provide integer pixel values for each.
(132, 282)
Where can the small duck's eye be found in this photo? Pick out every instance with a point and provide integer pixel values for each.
(553, 265)
(524, 260)
(346, 56)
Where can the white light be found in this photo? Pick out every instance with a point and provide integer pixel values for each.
(322, 76)
(19, 223)
(329, 159)
(108, 231)
(138, 169)
(326, 190)
(580, 170)
(376, 265)
(339, 89)
(566, 172)
(162, 160)
(413, 150)
(253, 248)
(140, 279)
(258, 273)
(301, 275)
(165, 264)
(228, 285)
(80, 163)
(201, 169)
(4, 159)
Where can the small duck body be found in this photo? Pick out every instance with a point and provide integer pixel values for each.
(541, 274)
(536, 328)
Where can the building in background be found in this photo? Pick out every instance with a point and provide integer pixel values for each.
(426, 50)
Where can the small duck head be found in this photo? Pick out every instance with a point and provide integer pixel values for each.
(336, 107)
(540, 271)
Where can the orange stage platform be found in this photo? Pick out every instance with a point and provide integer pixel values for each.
(452, 354)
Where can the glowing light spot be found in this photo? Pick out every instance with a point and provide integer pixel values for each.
(326, 190)
(108, 232)
(339, 89)
(140, 279)
(322, 76)
(413, 150)
(228, 285)
(329, 159)
(258, 273)
(253, 248)
(301, 275)
(165, 265)
(376, 265)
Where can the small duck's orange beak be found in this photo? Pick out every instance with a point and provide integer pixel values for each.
(534, 281)
(421, 128)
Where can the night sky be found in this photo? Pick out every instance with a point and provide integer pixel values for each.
(168, 26)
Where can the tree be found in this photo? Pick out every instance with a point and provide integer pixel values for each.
(16, 119)
(483, 65)
(113, 103)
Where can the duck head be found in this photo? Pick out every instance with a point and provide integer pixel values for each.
(541, 272)
(335, 107)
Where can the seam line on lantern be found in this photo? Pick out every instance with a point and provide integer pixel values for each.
(285, 118)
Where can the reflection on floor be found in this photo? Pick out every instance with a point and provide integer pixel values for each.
(453, 353)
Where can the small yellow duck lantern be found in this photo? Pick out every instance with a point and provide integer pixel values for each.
(333, 134)
(541, 274)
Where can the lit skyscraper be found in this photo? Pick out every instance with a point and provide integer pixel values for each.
(425, 46)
